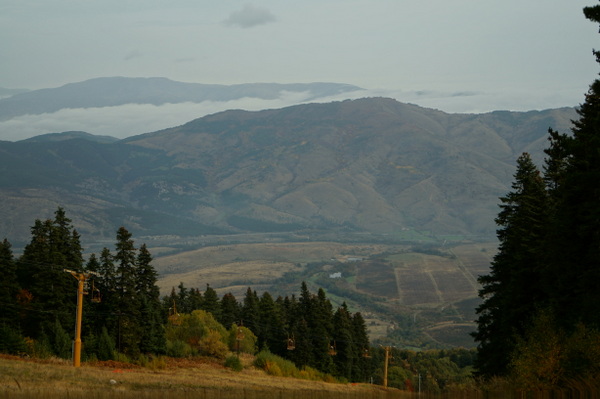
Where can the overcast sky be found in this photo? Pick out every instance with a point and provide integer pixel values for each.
(458, 55)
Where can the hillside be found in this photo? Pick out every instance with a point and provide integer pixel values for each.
(372, 166)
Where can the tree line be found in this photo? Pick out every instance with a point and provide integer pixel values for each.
(39, 296)
(125, 314)
(539, 319)
(126, 319)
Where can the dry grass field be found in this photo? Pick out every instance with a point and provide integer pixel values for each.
(437, 285)
(178, 378)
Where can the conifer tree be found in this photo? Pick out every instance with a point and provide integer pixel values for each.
(195, 300)
(346, 353)
(250, 316)
(9, 285)
(574, 248)
(321, 323)
(210, 302)
(230, 310)
(272, 332)
(362, 366)
(152, 339)
(183, 297)
(513, 291)
(54, 247)
(128, 301)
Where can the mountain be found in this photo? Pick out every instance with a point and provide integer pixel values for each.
(372, 166)
(115, 91)
(69, 136)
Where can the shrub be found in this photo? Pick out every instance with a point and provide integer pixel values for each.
(11, 341)
(212, 345)
(233, 362)
(106, 346)
(243, 337)
(179, 348)
(275, 365)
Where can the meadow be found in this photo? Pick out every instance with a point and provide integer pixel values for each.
(207, 379)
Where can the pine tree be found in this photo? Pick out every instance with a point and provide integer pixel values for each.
(195, 300)
(575, 248)
(182, 301)
(272, 331)
(513, 290)
(54, 247)
(250, 312)
(362, 368)
(321, 324)
(127, 299)
(152, 339)
(230, 310)
(9, 285)
(10, 338)
(346, 353)
(210, 302)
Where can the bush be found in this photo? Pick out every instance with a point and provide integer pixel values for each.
(179, 348)
(212, 345)
(233, 362)
(243, 337)
(106, 346)
(11, 341)
(275, 365)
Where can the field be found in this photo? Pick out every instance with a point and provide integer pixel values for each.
(205, 379)
(435, 288)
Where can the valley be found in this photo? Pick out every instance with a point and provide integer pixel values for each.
(414, 294)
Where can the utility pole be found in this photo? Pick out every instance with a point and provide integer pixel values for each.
(80, 277)
(385, 366)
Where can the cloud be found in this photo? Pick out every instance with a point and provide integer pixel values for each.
(133, 119)
(250, 16)
(132, 55)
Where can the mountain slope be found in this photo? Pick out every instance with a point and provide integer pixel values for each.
(366, 166)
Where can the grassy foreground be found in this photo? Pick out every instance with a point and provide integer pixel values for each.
(54, 378)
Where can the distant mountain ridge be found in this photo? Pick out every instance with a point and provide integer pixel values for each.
(369, 166)
(115, 91)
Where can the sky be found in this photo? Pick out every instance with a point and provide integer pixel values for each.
(457, 56)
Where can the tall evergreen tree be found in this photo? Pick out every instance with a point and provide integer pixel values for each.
(513, 291)
(272, 332)
(152, 339)
(321, 324)
(346, 352)
(575, 245)
(54, 247)
(362, 367)
(250, 318)
(182, 301)
(9, 285)
(195, 300)
(230, 310)
(128, 300)
(210, 302)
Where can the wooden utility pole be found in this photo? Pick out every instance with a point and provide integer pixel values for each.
(385, 366)
(80, 277)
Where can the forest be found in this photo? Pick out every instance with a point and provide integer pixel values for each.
(125, 318)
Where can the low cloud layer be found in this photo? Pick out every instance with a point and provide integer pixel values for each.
(250, 16)
(133, 119)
